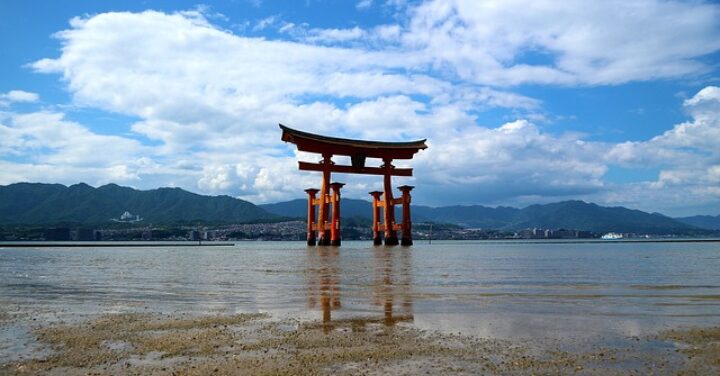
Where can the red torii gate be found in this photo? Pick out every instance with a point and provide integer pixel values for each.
(358, 151)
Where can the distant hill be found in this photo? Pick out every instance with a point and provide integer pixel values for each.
(49, 204)
(707, 222)
(298, 208)
(577, 215)
(591, 217)
(44, 204)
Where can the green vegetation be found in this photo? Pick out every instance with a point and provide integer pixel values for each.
(707, 222)
(27, 208)
(81, 204)
(576, 215)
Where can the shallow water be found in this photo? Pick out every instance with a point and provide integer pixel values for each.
(490, 289)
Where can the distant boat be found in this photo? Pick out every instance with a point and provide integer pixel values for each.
(611, 236)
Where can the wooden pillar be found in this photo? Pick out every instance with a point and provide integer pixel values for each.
(390, 234)
(406, 221)
(323, 233)
(335, 201)
(311, 225)
(377, 238)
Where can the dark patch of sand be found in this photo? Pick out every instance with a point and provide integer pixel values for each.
(254, 344)
(701, 346)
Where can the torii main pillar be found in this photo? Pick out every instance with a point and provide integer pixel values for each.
(327, 226)
(389, 217)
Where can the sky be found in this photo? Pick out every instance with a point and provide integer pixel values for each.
(611, 102)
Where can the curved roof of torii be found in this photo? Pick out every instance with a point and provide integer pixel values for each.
(315, 143)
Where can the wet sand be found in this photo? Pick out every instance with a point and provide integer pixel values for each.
(258, 344)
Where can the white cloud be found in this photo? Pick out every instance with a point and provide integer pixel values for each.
(213, 100)
(689, 141)
(364, 4)
(688, 157)
(215, 178)
(265, 23)
(335, 35)
(705, 105)
(66, 151)
(18, 96)
(390, 33)
(606, 42)
(48, 138)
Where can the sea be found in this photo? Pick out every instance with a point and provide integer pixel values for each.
(491, 289)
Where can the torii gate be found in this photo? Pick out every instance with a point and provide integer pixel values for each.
(328, 232)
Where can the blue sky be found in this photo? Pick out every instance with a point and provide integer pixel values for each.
(615, 102)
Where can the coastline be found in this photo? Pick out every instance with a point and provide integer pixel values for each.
(71, 244)
(122, 243)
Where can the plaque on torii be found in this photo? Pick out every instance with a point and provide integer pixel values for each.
(324, 229)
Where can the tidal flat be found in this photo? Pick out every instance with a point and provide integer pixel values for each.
(255, 344)
(282, 308)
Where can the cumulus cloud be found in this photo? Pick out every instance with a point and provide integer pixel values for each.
(53, 147)
(210, 100)
(17, 96)
(688, 157)
(574, 42)
(689, 141)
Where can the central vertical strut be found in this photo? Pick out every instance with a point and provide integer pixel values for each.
(390, 234)
(335, 224)
(323, 232)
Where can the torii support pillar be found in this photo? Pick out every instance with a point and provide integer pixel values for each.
(335, 201)
(377, 238)
(406, 221)
(322, 227)
(311, 225)
(389, 203)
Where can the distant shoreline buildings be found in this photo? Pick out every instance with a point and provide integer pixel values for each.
(127, 217)
(290, 231)
(538, 233)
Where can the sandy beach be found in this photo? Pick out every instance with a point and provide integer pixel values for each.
(257, 344)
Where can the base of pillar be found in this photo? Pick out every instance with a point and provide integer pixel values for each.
(322, 241)
(311, 241)
(391, 241)
(377, 241)
(406, 242)
(335, 243)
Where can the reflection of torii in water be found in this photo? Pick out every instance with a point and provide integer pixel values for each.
(324, 282)
(392, 283)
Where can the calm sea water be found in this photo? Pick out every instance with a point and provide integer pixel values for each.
(492, 289)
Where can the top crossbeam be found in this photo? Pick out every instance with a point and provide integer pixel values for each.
(358, 149)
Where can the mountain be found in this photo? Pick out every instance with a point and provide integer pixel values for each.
(36, 204)
(476, 216)
(298, 208)
(52, 204)
(591, 217)
(577, 215)
(707, 222)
